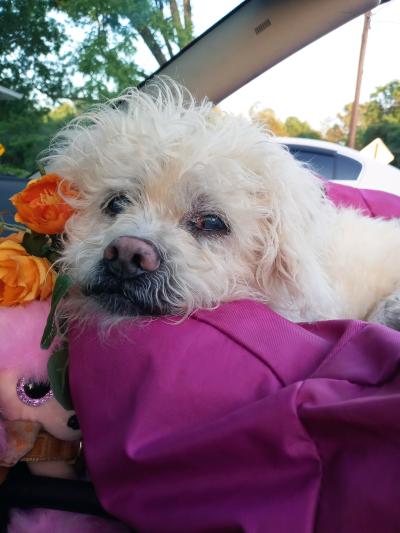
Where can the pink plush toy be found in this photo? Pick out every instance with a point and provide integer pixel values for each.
(33, 425)
(27, 405)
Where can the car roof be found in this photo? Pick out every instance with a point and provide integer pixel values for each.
(326, 146)
(252, 38)
(322, 146)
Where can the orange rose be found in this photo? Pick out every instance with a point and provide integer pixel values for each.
(41, 208)
(15, 237)
(23, 277)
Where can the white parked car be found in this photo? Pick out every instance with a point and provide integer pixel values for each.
(344, 165)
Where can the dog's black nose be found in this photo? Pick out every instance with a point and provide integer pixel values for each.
(129, 257)
(73, 422)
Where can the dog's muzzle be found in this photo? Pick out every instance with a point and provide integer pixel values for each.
(131, 279)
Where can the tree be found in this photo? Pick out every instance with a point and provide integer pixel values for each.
(382, 118)
(30, 49)
(43, 53)
(26, 135)
(389, 132)
(298, 128)
(335, 134)
(113, 27)
(84, 50)
(387, 99)
(375, 115)
(292, 127)
(268, 119)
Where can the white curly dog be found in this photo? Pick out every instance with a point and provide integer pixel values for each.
(182, 207)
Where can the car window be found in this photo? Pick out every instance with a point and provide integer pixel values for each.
(347, 168)
(322, 164)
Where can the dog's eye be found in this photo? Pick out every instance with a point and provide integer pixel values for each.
(211, 223)
(116, 204)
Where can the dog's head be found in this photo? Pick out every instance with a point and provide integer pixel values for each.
(183, 207)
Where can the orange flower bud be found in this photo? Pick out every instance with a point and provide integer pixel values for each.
(40, 206)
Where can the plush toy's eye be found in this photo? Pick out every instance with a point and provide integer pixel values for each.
(33, 393)
(116, 204)
(209, 223)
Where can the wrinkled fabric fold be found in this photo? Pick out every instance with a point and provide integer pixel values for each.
(270, 426)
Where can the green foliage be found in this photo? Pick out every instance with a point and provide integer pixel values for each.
(104, 57)
(57, 368)
(81, 50)
(298, 128)
(36, 244)
(382, 119)
(14, 171)
(85, 48)
(389, 132)
(61, 288)
(112, 29)
(387, 99)
(64, 111)
(292, 127)
(378, 117)
(25, 135)
(30, 47)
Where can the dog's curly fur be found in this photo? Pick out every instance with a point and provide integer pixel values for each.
(284, 242)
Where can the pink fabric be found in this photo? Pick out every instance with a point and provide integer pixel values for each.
(372, 203)
(237, 420)
(51, 521)
(21, 329)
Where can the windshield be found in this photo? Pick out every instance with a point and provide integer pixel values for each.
(59, 58)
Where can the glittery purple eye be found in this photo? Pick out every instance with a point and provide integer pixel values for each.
(33, 393)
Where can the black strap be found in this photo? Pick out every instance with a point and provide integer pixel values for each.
(51, 493)
(24, 490)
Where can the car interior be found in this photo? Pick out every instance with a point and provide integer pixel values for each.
(249, 40)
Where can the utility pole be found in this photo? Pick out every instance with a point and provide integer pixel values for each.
(355, 106)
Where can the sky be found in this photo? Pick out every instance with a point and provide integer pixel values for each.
(315, 83)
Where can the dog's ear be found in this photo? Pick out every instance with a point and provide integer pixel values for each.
(292, 258)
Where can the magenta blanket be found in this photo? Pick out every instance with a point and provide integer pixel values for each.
(237, 420)
(372, 203)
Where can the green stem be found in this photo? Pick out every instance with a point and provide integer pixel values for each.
(41, 169)
(14, 227)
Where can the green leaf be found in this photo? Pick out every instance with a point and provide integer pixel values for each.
(36, 244)
(57, 368)
(52, 256)
(62, 286)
